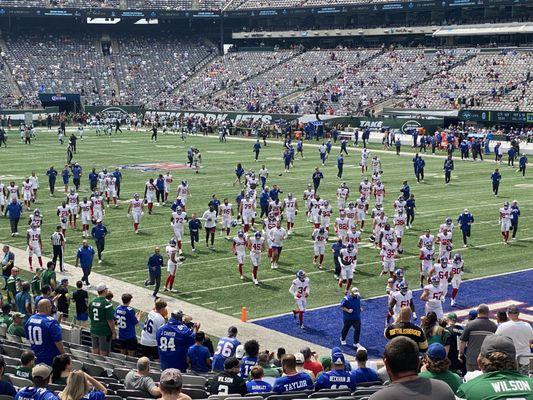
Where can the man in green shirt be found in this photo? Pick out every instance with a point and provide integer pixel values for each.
(13, 285)
(5, 317)
(17, 327)
(500, 379)
(23, 301)
(437, 367)
(27, 362)
(36, 282)
(49, 275)
(102, 318)
(268, 370)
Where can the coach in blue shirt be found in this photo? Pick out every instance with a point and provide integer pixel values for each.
(448, 168)
(99, 232)
(118, 176)
(274, 192)
(340, 166)
(52, 175)
(155, 263)
(14, 211)
(515, 213)
(264, 201)
(84, 259)
(194, 230)
(466, 219)
(496, 177)
(351, 316)
(336, 249)
(93, 179)
(76, 175)
(522, 164)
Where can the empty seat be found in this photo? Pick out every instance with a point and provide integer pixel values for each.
(19, 382)
(120, 373)
(368, 384)
(194, 380)
(329, 393)
(195, 393)
(94, 370)
(289, 396)
(11, 351)
(132, 393)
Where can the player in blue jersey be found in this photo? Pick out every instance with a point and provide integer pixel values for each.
(251, 348)
(225, 349)
(44, 334)
(338, 377)
(127, 320)
(173, 341)
(292, 380)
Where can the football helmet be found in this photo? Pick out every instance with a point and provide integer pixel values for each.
(435, 281)
(300, 274)
(257, 235)
(399, 273)
(172, 242)
(403, 287)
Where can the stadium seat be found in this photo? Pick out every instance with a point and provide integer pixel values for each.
(94, 370)
(13, 338)
(53, 387)
(113, 397)
(289, 396)
(11, 351)
(132, 393)
(263, 395)
(19, 382)
(10, 369)
(11, 361)
(329, 393)
(194, 380)
(195, 393)
(366, 391)
(223, 396)
(5, 397)
(120, 373)
(368, 384)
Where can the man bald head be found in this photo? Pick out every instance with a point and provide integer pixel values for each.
(44, 307)
(405, 314)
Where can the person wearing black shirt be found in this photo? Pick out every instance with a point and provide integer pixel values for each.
(229, 381)
(194, 228)
(456, 331)
(317, 177)
(81, 299)
(404, 327)
(63, 298)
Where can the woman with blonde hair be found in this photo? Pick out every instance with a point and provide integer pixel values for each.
(82, 386)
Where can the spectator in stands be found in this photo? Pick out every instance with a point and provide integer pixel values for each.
(102, 319)
(27, 362)
(63, 299)
(501, 317)
(140, 379)
(500, 380)
(182, 337)
(270, 371)
(337, 377)
(6, 388)
(362, 373)
(5, 317)
(48, 276)
(292, 380)
(473, 336)
(229, 343)
(17, 327)
(436, 366)
(300, 360)
(311, 362)
(7, 262)
(49, 331)
(434, 332)
(229, 381)
(401, 361)
(154, 321)
(257, 384)
(198, 357)
(521, 334)
(404, 327)
(81, 385)
(61, 369)
(81, 300)
(23, 301)
(170, 384)
(41, 378)
(456, 330)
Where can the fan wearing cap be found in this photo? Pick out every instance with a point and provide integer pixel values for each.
(170, 384)
(229, 381)
(173, 341)
(500, 379)
(436, 366)
(41, 378)
(102, 318)
(351, 316)
(17, 327)
(292, 380)
(338, 377)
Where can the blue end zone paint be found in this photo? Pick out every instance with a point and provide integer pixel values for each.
(323, 326)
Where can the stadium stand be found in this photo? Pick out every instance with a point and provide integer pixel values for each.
(62, 3)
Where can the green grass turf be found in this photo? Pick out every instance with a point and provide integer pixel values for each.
(209, 278)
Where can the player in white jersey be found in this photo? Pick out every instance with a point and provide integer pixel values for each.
(388, 253)
(2, 198)
(387, 234)
(111, 189)
(271, 222)
(34, 185)
(325, 215)
(342, 224)
(348, 262)
(275, 208)
(35, 244)
(342, 195)
(150, 191)
(399, 204)
(456, 274)
(505, 221)
(226, 212)
(184, 192)
(63, 212)
(13, 192)
(448, 224)
(247, 209)
(401, 298)
(309, 194)
(256, 246)
(365, 188)
(27, 194)
(361, 205)
(433, 297)
(168, 182)
(378, 223)
(172, 265)
(393, 286)
(353, 236)
(379, 192)
(72, 200)
(276, 237)
(400, 219)
(425, 239)
(376, 165)
(351, 213)
(36, 218)
(300, 291)
(136, 211)
(426, 257)
(314, 211)
(365, 154)
(98, 206)
(444, 238)
(239, 249)
(177, 221)
(320, 238)
(85, 215)
(374, 179)
(442, 269)
(101, 180)
(290, 207)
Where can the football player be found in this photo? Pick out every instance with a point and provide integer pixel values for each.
(247, 209)
(426, 258)
(36, 218)
(379, 192)
(27, 193)
(361, 208)
(111, 189)
(320, 238)
(376, 165)
(309, 194)
(172, 265)
(342, 195)
(85, 215)
(300, 290)
(365, 154)
(365, 188)
(177, 220)
(448, 224)
(348, 262)
(268, 224)
(168, 182)
(342, 224)
(277, 236)
(290, 206)
(325, 214)
(98, 206)
(73, 201)
(227, 213)
(256, 245)
(433, 297)
(389, 253)
(315, 205)
(136, 210)
(184, 193)
(399, 204)
(353, 236)
(444, 238)
(399, 227)
(378, 224)
(505, 221)
(403, 297)
(443, 270)
(13, 192)
(425, 239)
(63, 212)
(239, 249)
(351, 213)
(456, 274)
(35, 244)
(149, 195)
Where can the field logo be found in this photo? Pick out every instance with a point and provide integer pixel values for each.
(148, 167)
(114, 112)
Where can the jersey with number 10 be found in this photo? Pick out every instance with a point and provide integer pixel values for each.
(225, 349)
(43, 332)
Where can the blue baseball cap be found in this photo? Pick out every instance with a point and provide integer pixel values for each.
(436, 351)
(472, 314)
(338, 358)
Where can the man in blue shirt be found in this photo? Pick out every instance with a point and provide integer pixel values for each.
(257, 149)
(351, 316)
(257, 384)
(415, 164)
(515, 213)
(76, 175)
(226, 348)
(65, 175)
(466, 219)
(522, 164)
(405, 190)
(511, 155)
(317, 177)
(464, 150)
(410, 206)
(198, 356)
(6, 388)
(340, 165)
(496, 177)
(41, 378)
(118, 175)
(194, 230)
(336, 249)
(264, 201)
(99, 232)
(52, 175)
(44, 334)
(292, 381)
(448, 168)
(421, 164)
(338, 377)
(126, 321)
(93, 179)
(84, 259)
(362, 373)
(160, 186)
(251, 349)
(155, 263)
(173, 342)
(287, 159)
(14, 212)
(398, 146)
(275, 192)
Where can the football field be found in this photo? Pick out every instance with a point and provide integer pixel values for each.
(209, 277)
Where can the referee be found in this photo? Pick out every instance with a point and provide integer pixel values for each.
(58, 243)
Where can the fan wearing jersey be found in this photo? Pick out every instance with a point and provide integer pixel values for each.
(127, 319)
(337, 377)
(227, 213)
(173, 341)
(72, 201)
(177, 221)
(44, 334)
(225, 349)
(251, 350)
(85, 215)
(150, 194)
(276, 237)
(505, 221)
(228, 381)
(102, 319)
(433, 297)
(35, 244)
(136, 210)
(320, 238)
(292, 380)
(290, 207)
(300, 291)
(456, 275)
(154, 321)
(238, 248)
